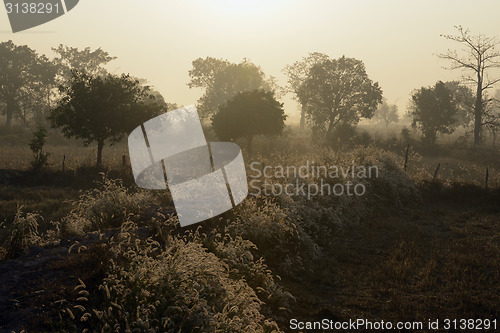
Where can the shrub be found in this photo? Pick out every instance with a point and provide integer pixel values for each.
(342, 135)
(182, 287)
(23, 232)
(363, 138)
(106, 206)
(36, 146)
(282, 242)
(244, 262)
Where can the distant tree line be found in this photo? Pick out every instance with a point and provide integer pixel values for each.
(76, 93)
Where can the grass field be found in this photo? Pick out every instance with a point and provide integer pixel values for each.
(84, 250)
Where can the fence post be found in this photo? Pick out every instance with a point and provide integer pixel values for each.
(436, 172)
(124, 160)
(486, 179)
(64, 160)
(406, 157)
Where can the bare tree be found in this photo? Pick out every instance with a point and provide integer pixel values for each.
(478, 57)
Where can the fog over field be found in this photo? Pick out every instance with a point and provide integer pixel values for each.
(157, 39)
(249, 166)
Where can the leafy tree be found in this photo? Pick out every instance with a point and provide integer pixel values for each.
(37, 96)
(297, 74)
(338, 91)
(23, 76)
(478, 57)
(386, 113)
(99, 109)
(83, 61)
(464, 100)
(248, 114)
(157, 99)
(433, 111)
(492, 116)
(222, 80)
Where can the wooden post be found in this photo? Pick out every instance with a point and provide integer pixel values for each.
(124, 160)
(486, 180)
(64, 160)
(436, 172)
(406, 157)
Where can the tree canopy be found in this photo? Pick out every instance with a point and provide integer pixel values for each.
(248, 114)
(103, 108)
(24, 79)
(222, 80)
(464, 100)
(433, 111)
(83, 61)
(297, 74)
(386, 113)
(338, 91)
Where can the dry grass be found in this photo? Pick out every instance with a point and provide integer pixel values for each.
(18, 157)
(408, 250)
(437, 261)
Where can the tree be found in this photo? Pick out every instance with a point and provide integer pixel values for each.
(492, 116)
(83, 61)
(478, 57)
(36, 96)
(464, 100)
(386, 113)
(223, 80)
(433, 111)
(248, 114)
(71, 59)
(23, 76)
(99, 109)
(297, 74)
(338, 91)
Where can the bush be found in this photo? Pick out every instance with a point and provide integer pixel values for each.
(363, 138)
(36, 146)
(342, 135)
(282, 242)
(105, 207)
(182, 287)
(23, 233)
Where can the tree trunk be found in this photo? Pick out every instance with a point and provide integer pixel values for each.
(9, 114)
(302, 118)
(249, 144)
(100, 146)
(430, 137)
(24, 117)
(329, 132)
(8, 120)
(478, 112)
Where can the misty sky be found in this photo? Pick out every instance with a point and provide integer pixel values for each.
(158, 39)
